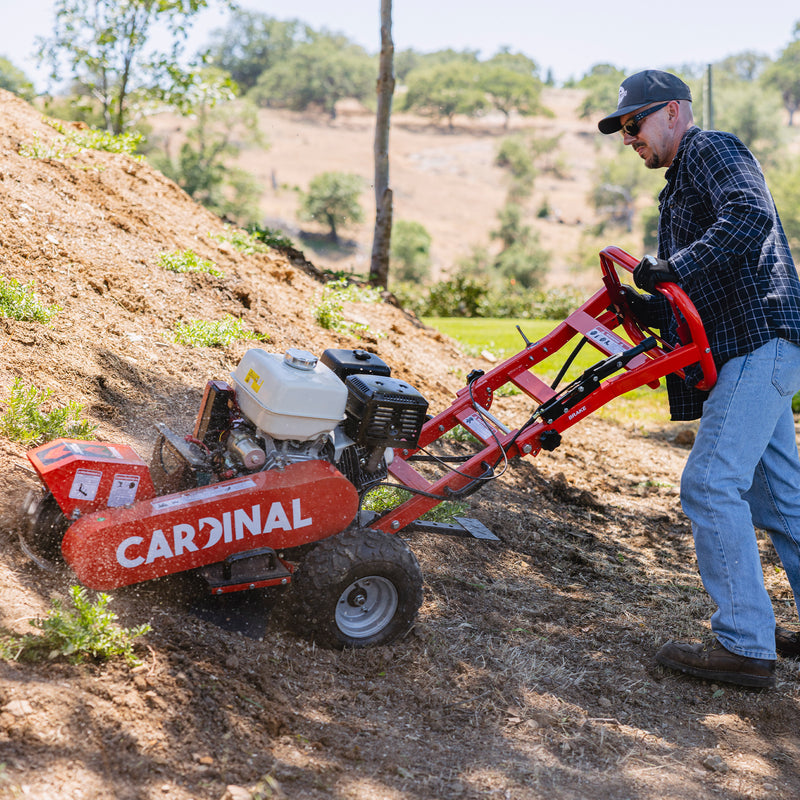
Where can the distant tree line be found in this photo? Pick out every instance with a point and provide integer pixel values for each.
(287, 64)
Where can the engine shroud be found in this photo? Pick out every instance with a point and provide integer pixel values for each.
(383, 411)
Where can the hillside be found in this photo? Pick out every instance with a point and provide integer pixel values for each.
(445, 179)
(529, 673)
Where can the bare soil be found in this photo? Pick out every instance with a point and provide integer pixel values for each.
(530, 671)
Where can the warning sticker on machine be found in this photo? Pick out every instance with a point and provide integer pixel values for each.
(123, 490)
(475, 424)
(85, 484)
(209, 493)
(608, 341)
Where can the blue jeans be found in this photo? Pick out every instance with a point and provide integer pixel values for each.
(744, 471)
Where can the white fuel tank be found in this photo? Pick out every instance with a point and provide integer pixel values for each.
(289, 396)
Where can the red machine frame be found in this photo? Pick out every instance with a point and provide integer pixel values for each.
(645, 359)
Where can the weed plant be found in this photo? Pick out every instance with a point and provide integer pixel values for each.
(254, 239)
(200, 333)
(25, 422)
(90, 631)
(460, 434)
(79, 139)
(384, 498)
(188, 261)
(57, 151)
(20, 302)
(97, 139)
(269, 237)
(329, 313)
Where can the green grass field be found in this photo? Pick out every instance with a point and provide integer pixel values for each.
(501, 338)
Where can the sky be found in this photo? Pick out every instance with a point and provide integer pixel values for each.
(566, 37)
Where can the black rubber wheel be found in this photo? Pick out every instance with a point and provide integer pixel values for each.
(357, 589)
(46, 528)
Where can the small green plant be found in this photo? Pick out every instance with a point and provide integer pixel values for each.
(507, 390)
(10, 647)
(242, 240)
(25, 422)
(20, 302)
(90, 630)
(383, 498)
(188, 261)
(79, 139)
(270, 237)
(96, 139)
(329, 313)
(200, 333)
(460, 434)
(58, 151)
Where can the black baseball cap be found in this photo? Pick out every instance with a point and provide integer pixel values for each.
(641, 89)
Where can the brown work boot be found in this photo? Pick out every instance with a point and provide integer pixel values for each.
(715, 662)
(787, 643)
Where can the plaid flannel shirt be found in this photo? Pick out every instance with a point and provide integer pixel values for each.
(720, 231)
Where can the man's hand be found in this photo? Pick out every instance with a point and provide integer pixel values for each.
(650, 271)
(637, 305)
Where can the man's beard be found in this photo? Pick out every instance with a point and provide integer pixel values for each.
(653, 161)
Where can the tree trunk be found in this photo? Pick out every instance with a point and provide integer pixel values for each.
(379, 267)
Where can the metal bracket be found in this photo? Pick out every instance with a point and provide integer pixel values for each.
(249, 569)
(463, 526)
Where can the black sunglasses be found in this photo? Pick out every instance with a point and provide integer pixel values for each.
(631, 127)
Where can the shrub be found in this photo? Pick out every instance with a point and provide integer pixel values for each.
(332, 200)
(524, 262)
(464, 296)
(459, 296)
(411, 250)
(514, 153)
(25, 422)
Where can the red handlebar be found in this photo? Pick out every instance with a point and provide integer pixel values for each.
(690, 326)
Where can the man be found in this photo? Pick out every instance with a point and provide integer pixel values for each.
(720, 239)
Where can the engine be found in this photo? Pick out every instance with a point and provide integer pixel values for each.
(282, 409)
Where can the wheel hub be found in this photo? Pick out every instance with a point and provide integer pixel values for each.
(366, 607)
(358, 597)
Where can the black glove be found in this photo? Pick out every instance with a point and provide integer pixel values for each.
(637, 304)
(650, 271)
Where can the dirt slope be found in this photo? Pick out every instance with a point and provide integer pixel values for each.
(529, 674)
